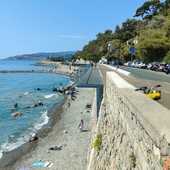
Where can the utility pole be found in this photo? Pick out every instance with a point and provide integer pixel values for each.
(119, 54)
(109, 51)
(114, 46)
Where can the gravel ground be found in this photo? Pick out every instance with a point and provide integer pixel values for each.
(65, 133)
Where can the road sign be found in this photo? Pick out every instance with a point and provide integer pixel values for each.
(132, 49)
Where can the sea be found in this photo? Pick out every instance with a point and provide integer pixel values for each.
(21, 88)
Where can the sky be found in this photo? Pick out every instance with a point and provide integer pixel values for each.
(32, 26)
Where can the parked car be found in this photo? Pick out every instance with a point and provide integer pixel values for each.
(127, 64)
(133, 64)
(142, 65)
(115, 62)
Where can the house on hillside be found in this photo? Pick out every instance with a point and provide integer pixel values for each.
(132, 41)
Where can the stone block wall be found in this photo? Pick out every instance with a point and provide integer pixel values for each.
(135, 130)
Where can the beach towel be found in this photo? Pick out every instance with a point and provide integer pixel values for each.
(24, 169)
(38, 164)
(44, 164)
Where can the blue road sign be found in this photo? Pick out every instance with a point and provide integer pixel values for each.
(132, 49)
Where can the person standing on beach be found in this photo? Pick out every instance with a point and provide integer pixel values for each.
(81, 125)
(72, 91)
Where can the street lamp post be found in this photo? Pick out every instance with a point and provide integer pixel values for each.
(113, 46)
(118, 44)
(118, 56)
(109, 50)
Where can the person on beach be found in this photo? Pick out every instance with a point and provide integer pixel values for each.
(72, 91)
(81, 125)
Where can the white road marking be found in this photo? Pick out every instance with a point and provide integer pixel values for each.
(166, 91)
(166, 83)
(100, 73)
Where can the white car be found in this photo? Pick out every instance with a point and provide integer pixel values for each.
(127, 64)
(142, 65)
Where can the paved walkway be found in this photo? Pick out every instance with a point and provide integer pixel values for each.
(91, 79)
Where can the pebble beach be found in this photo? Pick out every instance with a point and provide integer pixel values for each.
(63, 146)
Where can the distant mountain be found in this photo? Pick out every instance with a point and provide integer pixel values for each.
(42, 55)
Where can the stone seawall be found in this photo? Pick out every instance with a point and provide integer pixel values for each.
(135, 130)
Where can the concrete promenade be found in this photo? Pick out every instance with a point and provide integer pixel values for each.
(91, 79)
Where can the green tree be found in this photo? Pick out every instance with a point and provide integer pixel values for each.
(166, 8)
(129, 30)
(157, 22)
(97, 48)
(153, 45)
(166, 59)
(117, 32)
(166, 27)
(149, 9)
(153, 35)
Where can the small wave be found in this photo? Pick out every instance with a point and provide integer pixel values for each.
(6, 147)
(49, 96)
(1, 154)
(26, 93)
(42, 121)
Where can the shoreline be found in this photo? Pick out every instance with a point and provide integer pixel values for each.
(11, 158)
(62, 132)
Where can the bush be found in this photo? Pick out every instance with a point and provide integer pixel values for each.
(97, 142)
(167, 57)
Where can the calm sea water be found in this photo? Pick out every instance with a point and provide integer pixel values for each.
(20, 88)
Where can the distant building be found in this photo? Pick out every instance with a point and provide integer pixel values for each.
(103, 60)
(81, 61)
(132, 41)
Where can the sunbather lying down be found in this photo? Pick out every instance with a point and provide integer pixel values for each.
(56, 148)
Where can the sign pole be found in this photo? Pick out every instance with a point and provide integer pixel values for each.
(131, 60)
(132, 50)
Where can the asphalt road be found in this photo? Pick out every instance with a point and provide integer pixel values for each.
(140, 77)
(147, 74)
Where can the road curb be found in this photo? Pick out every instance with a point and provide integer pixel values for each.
(119, 70)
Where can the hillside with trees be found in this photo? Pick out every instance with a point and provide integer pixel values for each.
(149, 33)
(53, 56)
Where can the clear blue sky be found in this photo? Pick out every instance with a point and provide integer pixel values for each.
(31, 26)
